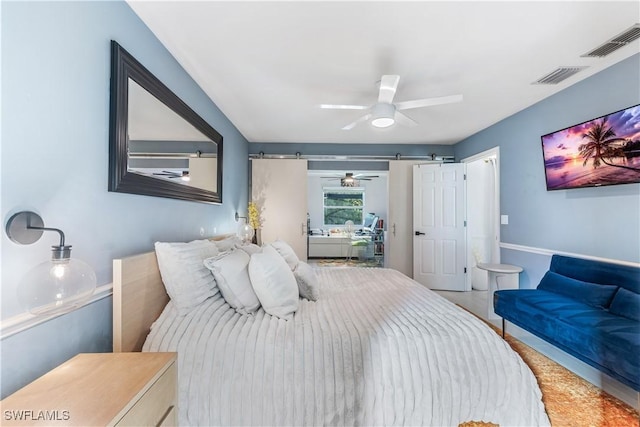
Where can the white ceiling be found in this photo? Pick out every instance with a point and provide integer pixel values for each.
(269, 65)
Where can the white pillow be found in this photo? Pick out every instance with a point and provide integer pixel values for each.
(228, 243)
(307, 281)
(231, 274)
(250, 248)
(274, 283)
(287, 253)
(186, 280)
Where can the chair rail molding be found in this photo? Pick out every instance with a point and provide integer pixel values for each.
(22, 322)
(549, 252)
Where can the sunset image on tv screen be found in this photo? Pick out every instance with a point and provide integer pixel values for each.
(602, 151)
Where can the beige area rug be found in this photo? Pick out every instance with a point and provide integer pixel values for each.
(569, 399)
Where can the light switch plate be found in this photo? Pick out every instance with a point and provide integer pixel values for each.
(504, 219)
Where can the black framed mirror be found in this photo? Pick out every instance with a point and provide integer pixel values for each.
(158, 146)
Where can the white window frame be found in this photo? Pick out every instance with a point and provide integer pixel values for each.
(359, 190)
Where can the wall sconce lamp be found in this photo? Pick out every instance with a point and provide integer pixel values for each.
(245, 230)
(55, 286)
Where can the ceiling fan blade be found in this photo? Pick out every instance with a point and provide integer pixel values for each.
(361, 176)
(428, 102)
(343, 107)
(388, 86)
(360, 120)
(404, 120)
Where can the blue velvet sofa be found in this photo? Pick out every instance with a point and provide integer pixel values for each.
(589, 309)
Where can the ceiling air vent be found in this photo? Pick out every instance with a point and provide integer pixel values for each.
(622, 39)
(558, 75)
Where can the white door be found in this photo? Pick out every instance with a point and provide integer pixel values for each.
(399, 240)
(438, 224)
(279, 186)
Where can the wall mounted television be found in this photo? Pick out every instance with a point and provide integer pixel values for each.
(601, 151)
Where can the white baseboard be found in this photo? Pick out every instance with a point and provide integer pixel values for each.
(24, 321)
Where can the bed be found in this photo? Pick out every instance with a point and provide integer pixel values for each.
(376, 348)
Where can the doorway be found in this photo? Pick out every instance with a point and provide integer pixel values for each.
(483, 214)
(341, 212)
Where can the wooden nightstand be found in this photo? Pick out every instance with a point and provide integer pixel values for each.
(123, 389)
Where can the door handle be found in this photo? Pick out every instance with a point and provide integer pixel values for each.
(394, 229)
(420, 233)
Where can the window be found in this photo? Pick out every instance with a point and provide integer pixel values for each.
(341, 205)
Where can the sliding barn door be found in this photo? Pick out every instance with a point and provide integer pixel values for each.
(280, 187)
(399, 240)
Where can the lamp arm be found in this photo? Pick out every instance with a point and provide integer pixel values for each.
(60, 232)
(27, 227)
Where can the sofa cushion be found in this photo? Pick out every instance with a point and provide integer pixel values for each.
(600, 272)
(626, 303)
(591, 294)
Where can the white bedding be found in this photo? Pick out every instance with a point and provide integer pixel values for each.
(375, 349)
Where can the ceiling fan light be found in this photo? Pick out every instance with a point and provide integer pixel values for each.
(382, 115)
(383, 122)
(348, 182)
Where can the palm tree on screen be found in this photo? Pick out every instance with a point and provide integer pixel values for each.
(599, 146)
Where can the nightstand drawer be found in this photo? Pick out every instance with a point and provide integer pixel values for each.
(157, 405)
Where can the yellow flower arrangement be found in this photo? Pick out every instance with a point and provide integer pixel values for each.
(254, 215)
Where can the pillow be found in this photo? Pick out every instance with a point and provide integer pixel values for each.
(250, 248)
(228, 243)
(591, 294)
(274, 283)
(626, 303)
(186, 280)
(286, 252)
(307, 281)
(231, 274)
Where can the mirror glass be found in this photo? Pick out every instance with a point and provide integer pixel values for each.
(158, 145)
(165, 146)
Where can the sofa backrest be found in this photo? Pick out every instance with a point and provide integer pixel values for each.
(600, 272)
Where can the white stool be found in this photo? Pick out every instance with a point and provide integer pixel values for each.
(501, 276)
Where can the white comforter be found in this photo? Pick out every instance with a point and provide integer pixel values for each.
(376, 349)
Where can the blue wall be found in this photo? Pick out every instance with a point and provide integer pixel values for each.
(55, 112)
(598, 222)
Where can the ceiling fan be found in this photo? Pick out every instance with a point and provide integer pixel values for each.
(184, 175)
(351, 180)
(385, 113)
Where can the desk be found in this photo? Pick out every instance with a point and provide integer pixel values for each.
(501, 276)
(332, 246)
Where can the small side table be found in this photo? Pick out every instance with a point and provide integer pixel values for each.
(501, 276)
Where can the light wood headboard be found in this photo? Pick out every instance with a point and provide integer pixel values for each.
(139, 297)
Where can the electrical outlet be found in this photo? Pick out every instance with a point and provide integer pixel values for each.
(201, 231)
(504, 219)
